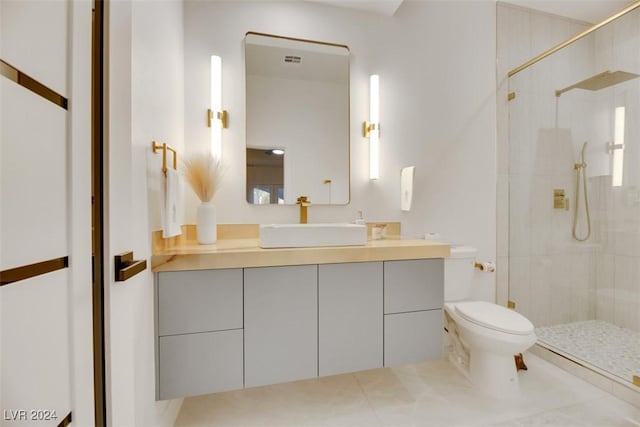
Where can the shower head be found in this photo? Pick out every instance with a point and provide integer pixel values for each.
(600, 81)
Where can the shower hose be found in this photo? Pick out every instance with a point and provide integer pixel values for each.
(581, 169)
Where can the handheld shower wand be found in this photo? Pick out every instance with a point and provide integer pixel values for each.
(581, 169)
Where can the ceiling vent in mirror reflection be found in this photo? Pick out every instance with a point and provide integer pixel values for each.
(293, 59)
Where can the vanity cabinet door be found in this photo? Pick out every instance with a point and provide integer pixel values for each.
(413, 285)
(281, 324)
(350, 317)
(199, 301)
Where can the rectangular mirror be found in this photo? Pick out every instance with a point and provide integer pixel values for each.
(297, 104)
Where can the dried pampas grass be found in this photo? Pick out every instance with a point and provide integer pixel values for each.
(203, 172)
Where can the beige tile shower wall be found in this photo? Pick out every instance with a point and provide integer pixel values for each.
(530, 167)
(553, 278)
(617, 209)
(618, 282)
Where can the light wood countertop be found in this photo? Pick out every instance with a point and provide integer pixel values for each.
(187, 254)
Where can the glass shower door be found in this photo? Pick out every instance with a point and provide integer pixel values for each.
(574, 198)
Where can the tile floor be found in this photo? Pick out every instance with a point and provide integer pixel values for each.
(426, 394)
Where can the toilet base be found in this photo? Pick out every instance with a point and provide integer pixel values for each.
(459, 362)
(494, 373)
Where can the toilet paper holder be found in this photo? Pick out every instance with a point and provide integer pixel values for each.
(487, 267)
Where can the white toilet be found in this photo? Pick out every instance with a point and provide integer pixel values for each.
(482, 337)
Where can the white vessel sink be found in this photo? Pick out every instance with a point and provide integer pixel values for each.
(312, 235)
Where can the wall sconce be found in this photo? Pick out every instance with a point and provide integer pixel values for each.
(371, 129)
(216, 117)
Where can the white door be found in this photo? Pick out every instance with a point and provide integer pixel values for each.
(144, 95)
(129, 321)
(45, 235)
(120, 325)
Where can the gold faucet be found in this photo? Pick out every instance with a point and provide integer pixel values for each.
(304, 204)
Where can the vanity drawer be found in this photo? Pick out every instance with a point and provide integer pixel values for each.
(412, 337)
(413, 285)
(199, 301)
(195, 364)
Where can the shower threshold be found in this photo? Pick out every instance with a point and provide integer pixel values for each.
(597, 345)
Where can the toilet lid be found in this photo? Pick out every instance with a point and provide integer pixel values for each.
(494, 317)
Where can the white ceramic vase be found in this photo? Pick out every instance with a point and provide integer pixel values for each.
(206, 223)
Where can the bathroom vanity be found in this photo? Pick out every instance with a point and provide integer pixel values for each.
(232, 315)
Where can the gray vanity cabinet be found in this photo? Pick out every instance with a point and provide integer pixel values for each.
(225, 329)
(199, 324)
(413, 302)
(350, 317)
(281, 324)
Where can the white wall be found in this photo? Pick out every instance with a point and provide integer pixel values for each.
(436, 62)
(145, 103)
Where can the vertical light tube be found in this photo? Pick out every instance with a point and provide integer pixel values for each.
(374, 135)
(618, 147)
(216, 106)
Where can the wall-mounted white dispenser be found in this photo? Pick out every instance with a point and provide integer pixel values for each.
(406, 187)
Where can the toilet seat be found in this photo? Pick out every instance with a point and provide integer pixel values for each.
(494, 317)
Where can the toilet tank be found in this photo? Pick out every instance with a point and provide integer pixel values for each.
(458, 273)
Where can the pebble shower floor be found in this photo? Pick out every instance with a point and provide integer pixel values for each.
(605, 346)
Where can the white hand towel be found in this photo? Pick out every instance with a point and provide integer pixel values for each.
(406, 187)
(170, 225)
